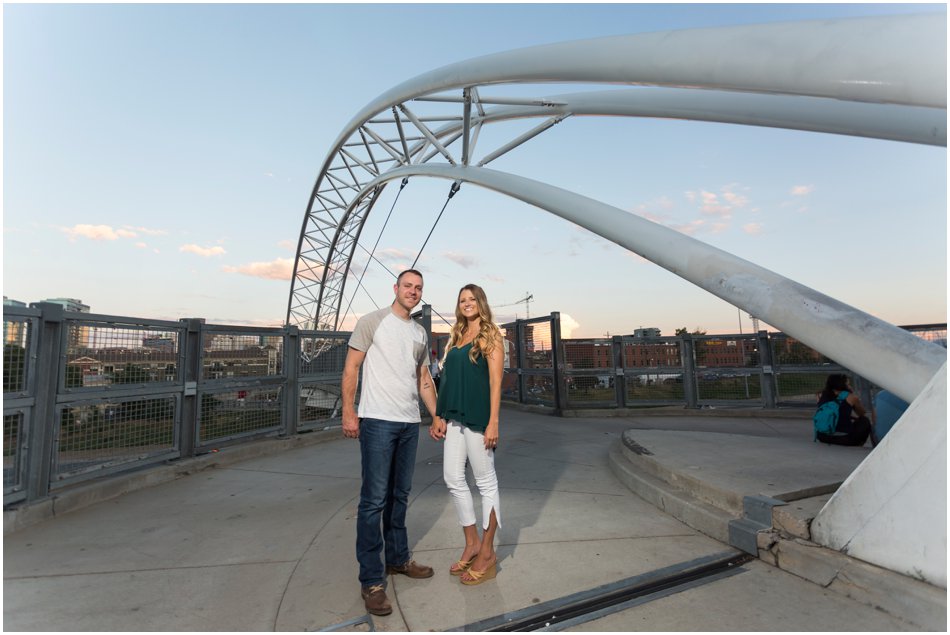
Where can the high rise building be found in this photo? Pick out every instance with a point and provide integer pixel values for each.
(14, 332)
(79, 336)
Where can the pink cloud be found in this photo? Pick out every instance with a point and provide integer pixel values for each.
(753, 229)
(206, 252)
(277, 269)
(802, 190)
(461, 260)
(95, 232)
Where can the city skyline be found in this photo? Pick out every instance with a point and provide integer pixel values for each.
(159, 159)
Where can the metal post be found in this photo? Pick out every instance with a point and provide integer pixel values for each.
(42, 433)
(688, 355)
(560, 381)
(190, 374)
(291, 402)
(620, 379)
(519, 330)
(769, 388)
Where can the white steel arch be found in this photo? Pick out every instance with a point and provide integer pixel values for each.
(873, 77)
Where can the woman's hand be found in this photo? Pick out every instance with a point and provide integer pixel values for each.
(437, 428)
(491, 436)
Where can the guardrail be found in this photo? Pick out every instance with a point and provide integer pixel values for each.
(87, 395)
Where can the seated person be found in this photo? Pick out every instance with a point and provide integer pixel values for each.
(850, 430)
(888, 408)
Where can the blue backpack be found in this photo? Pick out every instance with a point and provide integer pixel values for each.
(825, 418)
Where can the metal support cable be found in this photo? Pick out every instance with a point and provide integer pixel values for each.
(359, 283)
(456, 185)
(452, 190)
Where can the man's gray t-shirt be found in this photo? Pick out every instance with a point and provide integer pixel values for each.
(395, 349)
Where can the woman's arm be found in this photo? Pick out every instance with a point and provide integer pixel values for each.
(856, 404)
(496, 369)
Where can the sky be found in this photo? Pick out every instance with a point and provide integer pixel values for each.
(158, 161)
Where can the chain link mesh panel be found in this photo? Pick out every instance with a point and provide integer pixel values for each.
(228, 414)
(538, 350)
(99, 356)
(239, 354)
(12, 434)
(724, 385)
(654, 387)
(16, 334)
(99, 434)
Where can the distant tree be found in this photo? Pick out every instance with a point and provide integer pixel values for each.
(696, 331)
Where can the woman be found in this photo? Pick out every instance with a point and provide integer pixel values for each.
(467, 418)
(848, 431)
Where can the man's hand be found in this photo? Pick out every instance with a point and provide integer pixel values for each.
(351, 425)
(437, 429)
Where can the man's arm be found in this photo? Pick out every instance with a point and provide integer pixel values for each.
(427, 389)
(351, 376)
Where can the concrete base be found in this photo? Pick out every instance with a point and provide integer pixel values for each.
(911, 600)
(702, 478)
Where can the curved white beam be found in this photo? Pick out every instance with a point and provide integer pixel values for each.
(885, 354)
(891, 59)
(912, 124)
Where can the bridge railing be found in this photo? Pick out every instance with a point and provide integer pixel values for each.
(87, 395)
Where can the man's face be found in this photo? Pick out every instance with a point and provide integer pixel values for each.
(408, 291)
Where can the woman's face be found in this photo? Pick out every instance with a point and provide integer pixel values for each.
(468, 306)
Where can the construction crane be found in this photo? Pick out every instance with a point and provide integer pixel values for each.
(525, 300)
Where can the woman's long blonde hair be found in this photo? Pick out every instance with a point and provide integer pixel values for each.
(488, 333)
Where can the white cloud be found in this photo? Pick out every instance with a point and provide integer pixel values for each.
(802, 190)
(288, 245)
(141, 245)
(277, 269)
(568, 325)
(461, 260)
(206, 252)
(124, 233)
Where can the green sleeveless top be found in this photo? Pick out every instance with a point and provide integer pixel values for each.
(464, 390)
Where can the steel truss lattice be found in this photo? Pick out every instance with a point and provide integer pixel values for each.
(873, 77)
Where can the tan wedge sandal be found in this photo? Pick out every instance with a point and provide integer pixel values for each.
(481, 576)
(461, 566)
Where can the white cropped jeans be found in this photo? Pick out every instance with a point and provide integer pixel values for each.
(463, 443)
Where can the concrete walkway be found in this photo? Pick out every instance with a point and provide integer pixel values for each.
(267, 544)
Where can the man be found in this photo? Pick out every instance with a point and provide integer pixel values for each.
(395, 350)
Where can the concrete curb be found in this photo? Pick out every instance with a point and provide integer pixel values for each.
(728, 501)
(109, 487)
(708, 519)
(682, 411)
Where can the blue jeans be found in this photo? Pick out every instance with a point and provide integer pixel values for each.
(388, 452)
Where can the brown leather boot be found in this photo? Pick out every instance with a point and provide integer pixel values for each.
(375, 600)
(412, 569)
